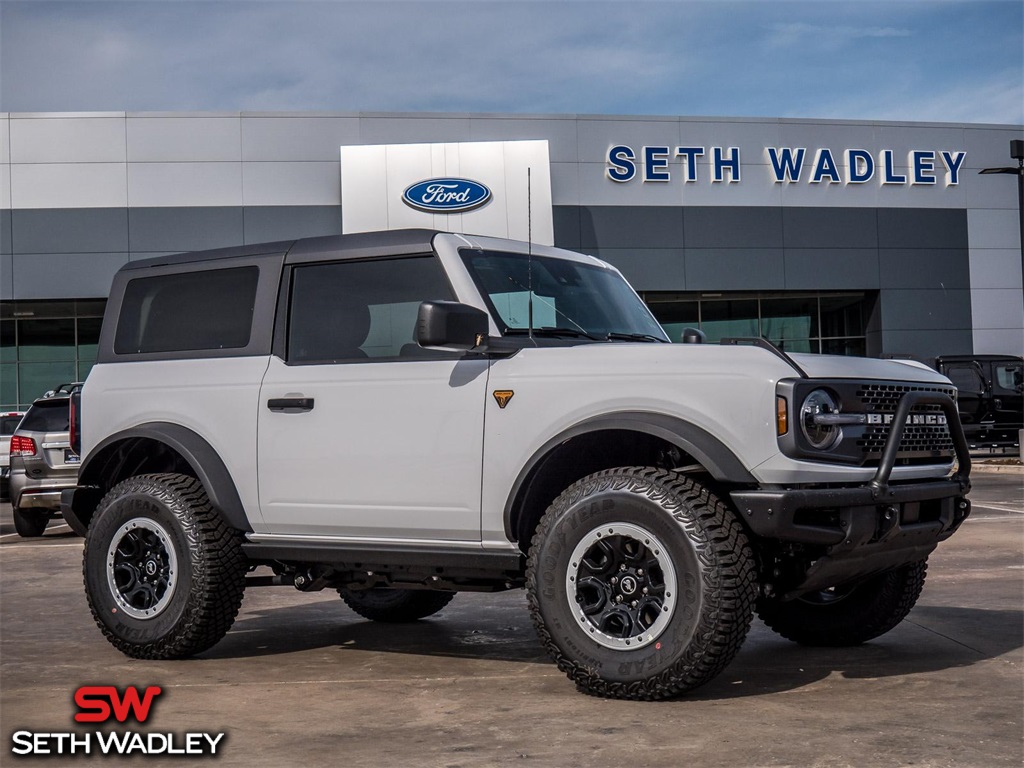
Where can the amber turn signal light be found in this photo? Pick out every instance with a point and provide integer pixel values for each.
(781, 416)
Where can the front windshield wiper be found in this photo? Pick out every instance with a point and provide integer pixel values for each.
(636, 337)
(575, 333)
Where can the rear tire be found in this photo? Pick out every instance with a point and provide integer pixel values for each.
(641, 583)
(164, 573)
(30, 524)
(846, 616)
(395, 606)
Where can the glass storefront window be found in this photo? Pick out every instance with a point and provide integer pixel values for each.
(35, 379)
(675, 316)
(8, 387)
(843, 315)
(8, 345)
(88, 337)
(44, 344)
(795, 322)
(844, 347)
(42, 341)
(720, 319)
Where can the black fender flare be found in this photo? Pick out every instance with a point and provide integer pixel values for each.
(205, 462)
(710, 452)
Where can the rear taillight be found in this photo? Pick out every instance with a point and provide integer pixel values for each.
(72, 419)
(23, 446)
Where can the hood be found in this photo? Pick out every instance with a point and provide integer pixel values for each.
(839, 367)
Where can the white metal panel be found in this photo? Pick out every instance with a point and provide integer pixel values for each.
(184, 139)
(68, 140)
(997, 308)
(993, 229)
(1001, 341)
(215, 398)
(403, 165)
(296, 183)
(368, 204)
(185, 184)
(307, 138)
(390, 450)
(995, 268)
(363, 191)
(727, 391)
(989, 147)
(69, 185)
(5, 139)
(5, 186)
(558, 131)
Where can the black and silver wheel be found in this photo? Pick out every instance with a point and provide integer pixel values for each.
(30, 523)
(640, 583)
(850, 614)
(163, 572)
(395, 606)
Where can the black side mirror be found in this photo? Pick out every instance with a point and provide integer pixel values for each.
(693, 336)
(451, 325)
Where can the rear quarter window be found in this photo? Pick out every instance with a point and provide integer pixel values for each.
(208, 309)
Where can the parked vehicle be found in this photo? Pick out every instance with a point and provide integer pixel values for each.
(989, 398)
(8, 423)
(42, 462)
(404, 415)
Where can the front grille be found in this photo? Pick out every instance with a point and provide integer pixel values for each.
(921, 443)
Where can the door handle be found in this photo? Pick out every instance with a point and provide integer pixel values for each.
(290, 404)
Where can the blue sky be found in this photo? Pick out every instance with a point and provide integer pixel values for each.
(918, 60)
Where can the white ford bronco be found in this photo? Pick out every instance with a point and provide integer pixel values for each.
(404, 415)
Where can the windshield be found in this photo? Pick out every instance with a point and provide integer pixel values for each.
(569, 297)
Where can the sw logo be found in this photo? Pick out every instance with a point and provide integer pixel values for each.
(98, 703)
(106, 704)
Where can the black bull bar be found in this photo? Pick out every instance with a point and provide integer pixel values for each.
(872, 527)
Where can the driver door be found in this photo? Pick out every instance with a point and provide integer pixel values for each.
(362, 433)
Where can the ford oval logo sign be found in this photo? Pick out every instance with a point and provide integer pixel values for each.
(446, 195)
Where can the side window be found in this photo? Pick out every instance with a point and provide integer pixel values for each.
(966, 379)
(1010, 377)
(360, 310)
(207, 309)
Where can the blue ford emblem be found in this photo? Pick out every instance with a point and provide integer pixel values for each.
(446, 195)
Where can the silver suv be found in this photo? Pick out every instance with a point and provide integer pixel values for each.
(401, 416)
(42, 462)
(8, 423)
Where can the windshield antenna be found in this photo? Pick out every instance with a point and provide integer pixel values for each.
(529, 254)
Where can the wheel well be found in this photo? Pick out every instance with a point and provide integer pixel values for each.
(578, 457)
(123, 459)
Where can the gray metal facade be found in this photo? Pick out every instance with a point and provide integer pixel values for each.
(82, 194)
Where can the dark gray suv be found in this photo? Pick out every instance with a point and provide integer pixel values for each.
(42, 462)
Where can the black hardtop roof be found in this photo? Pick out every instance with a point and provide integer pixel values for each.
(353, 246)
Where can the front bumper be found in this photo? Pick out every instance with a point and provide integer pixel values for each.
(853, 532)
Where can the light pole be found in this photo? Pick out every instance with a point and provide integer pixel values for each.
(1017, 153)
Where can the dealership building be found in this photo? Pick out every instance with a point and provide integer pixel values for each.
(843, 237)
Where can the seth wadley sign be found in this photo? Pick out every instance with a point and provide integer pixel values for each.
(787, 165)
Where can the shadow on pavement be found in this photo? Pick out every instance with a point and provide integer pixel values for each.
(933, 639)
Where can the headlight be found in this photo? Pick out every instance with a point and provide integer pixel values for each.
(819, 433)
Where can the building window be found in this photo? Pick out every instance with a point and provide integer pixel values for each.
(830, 323)
(44, 344)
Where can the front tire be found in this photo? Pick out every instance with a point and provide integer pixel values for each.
(850, 615)
(641, 583)
(395, 606)
(30, 524)
(163, 572)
